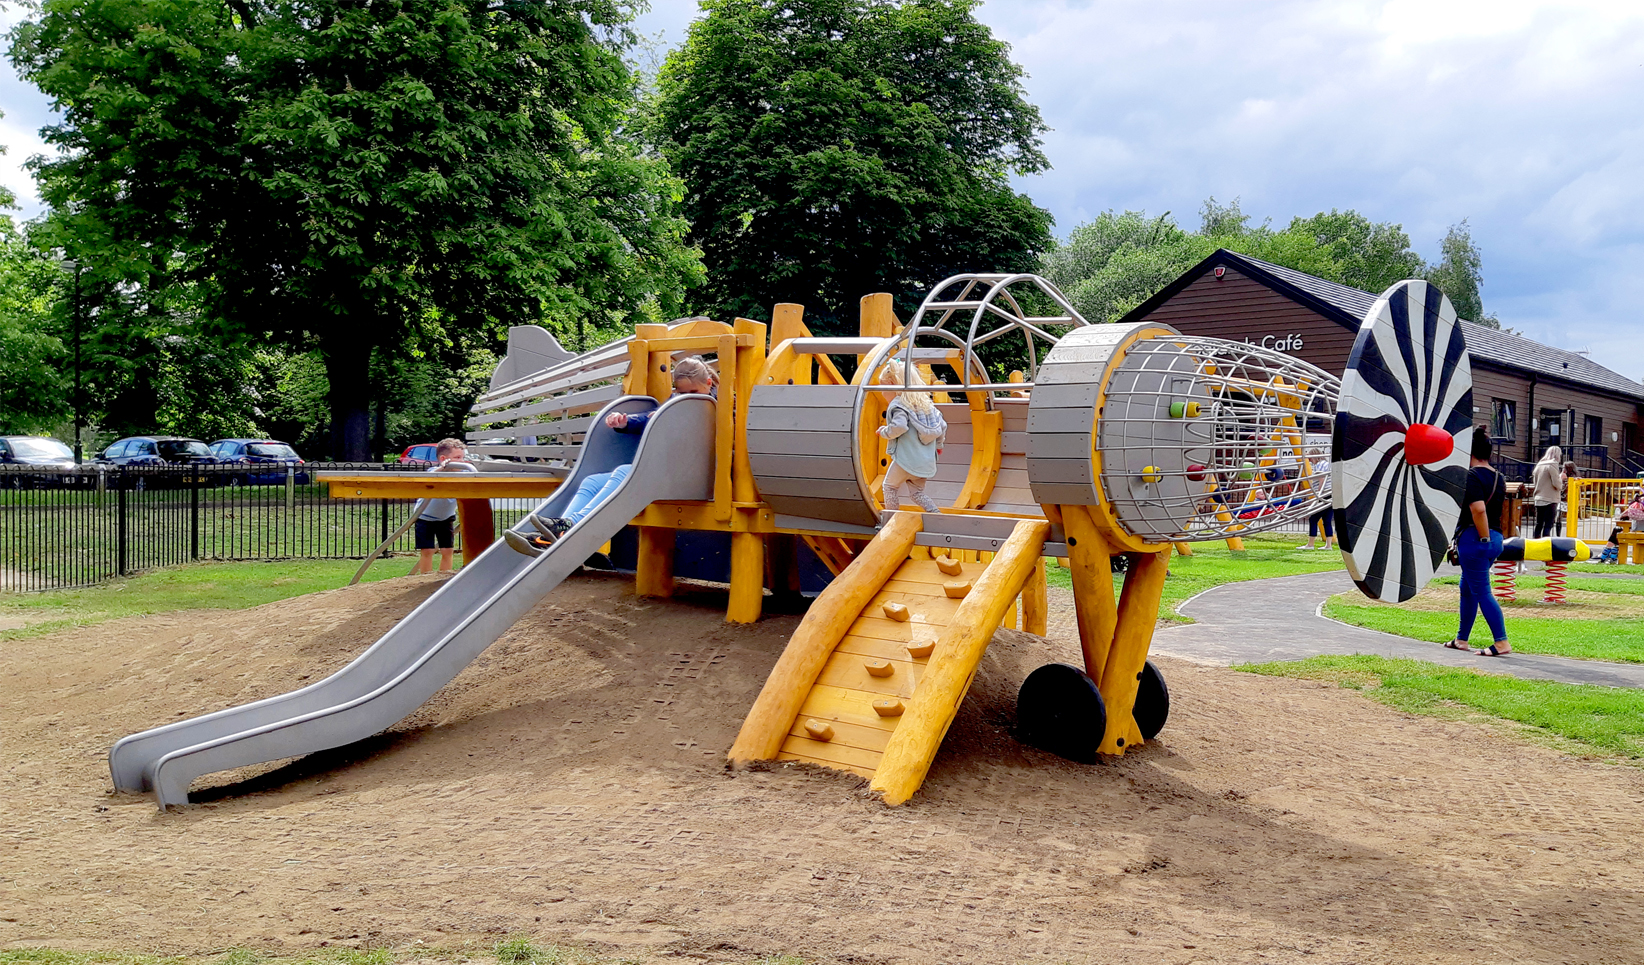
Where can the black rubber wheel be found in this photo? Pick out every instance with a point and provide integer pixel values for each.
(1152, 702)
(1060, 710)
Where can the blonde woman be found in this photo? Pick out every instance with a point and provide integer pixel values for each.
(1547, 478)
(916, 430)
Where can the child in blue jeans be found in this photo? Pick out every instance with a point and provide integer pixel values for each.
(692, 376)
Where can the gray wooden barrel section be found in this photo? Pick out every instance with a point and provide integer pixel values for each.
(802, 448)
(1137, 433)
(1062, 413)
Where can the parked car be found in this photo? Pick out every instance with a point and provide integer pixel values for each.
(158, 451)
(423, 455)
(265, 460)
(40, 452)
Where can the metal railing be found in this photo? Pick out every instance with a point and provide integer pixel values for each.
(62, 529)
(1592, 506)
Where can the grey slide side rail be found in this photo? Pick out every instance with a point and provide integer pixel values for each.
(673, 459)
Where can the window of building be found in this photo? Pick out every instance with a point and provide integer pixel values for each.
(1595, 430)
(1504, 422)
(1551, 423)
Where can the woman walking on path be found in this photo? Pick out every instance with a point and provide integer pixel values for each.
(1478, 543)
(1548, 480)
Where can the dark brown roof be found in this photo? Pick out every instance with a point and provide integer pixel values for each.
(1347, 306)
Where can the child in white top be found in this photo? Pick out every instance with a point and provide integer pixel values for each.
(916, 431)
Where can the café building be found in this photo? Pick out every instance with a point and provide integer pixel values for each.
(1530, 395)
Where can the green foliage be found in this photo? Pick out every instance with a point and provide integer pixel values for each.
(345, 177)
(835, 148)
(1460, 274)
(1110, 265)
(35, 390)
(1606, 719)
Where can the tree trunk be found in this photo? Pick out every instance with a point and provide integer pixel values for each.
(348, 369)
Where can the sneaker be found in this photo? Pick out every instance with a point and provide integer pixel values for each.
(529, 545)
(552, 527)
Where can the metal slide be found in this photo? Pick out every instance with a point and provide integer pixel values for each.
(673, 459)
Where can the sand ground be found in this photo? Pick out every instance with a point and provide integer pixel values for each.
(571, 786)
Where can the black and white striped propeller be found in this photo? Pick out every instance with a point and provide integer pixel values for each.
(1404, 428)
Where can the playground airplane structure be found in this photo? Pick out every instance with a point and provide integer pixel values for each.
(1109, 440)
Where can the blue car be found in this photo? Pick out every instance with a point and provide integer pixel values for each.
(265, 460)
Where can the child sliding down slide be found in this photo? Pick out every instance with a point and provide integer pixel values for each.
(916, 431)
(692, 376)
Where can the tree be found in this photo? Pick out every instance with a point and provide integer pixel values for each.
(1110, 265)
(353, 177)
(34, 390)
(1460, 274)
(833, 148)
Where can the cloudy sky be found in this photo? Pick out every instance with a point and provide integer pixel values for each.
(1523, 117)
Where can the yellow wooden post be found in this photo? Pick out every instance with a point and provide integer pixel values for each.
(1090, 563)
(654, 569)
(787, 321)
(747, 597)
(1036, 602)
(878, 316)
(655, 383)
(639, 355)
(725, 428)
(825, 624)
(1572, 507)
(1182, 549)
(959, 647)
(1138, 612)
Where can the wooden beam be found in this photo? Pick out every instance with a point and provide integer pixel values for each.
(1138, 612)
(439, 485)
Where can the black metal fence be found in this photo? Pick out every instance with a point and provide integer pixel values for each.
(66, 529)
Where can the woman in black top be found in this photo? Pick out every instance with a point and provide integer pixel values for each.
(1478, 543)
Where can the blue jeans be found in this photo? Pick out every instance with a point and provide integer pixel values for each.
(1476, 556)
(595, 490)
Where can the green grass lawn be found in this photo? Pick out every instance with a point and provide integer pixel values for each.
(1607, 720)
(1611, 638)
(1213, 564)
(203, 586)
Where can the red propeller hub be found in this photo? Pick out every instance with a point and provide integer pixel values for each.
(1425, 444)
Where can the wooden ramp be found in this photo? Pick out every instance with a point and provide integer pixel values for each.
(873, 677)
(873, 673)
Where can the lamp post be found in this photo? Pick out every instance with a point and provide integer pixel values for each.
(74, 266)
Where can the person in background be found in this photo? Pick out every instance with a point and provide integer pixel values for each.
(1326, 517)
(1633, 515)
(1547, 482)
(692, 376)
(1478, 543)
(436, 524)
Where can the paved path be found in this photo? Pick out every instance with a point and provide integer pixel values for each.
(1278, 619)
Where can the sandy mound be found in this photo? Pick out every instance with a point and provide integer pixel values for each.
(571, 785)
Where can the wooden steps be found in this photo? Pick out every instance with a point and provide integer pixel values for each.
(845, 691)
